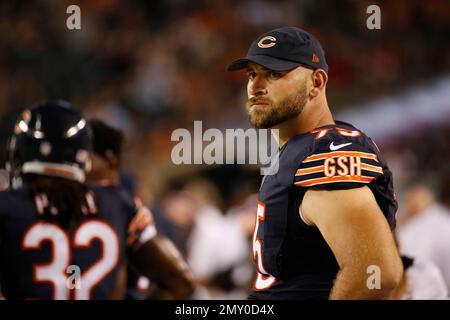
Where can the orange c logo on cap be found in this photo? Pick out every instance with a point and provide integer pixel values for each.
(263, 45)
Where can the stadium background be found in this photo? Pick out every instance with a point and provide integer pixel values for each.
(149, 67)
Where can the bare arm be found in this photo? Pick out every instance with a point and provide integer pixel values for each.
(159, 260)
(358, 234)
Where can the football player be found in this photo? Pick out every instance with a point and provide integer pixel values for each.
(63, 239)
(324, 220)
(106, 171)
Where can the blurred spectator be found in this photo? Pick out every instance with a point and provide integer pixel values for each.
(421, 281)
(243, 215)
(4, 180)
(425, 233)
(217, 244)
(175, 217)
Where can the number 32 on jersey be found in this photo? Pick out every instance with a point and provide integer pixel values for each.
(54, 272)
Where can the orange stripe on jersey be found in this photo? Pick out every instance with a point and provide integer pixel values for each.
(321, 156)
(311, 182)
(301, 172)
(369, 167)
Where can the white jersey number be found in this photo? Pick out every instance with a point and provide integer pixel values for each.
(54, 272)
(263, 279)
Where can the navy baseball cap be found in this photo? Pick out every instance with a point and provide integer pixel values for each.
(284, 49)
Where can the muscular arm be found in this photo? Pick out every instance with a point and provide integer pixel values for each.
(358, 234)
(159, 260)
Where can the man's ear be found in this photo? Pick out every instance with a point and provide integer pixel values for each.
(112, 159)
(319, 81)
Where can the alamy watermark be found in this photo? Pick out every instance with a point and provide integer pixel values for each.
(374, 280)
(229, 146)
(74, 279)
(374, 20)
(73, 22)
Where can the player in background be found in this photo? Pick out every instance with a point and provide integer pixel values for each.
(324, 220)
(106, 171)
(63, 239)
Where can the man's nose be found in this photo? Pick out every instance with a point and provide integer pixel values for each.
(257, 87)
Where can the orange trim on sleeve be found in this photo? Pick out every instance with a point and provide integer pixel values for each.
(317, 181)
(317, 169)
(369, 167)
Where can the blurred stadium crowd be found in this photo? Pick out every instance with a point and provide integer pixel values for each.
(149, 67)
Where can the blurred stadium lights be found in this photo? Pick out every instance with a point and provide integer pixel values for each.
(399, 115)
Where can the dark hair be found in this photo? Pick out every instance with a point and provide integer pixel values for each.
(107, 140)
(66, 200)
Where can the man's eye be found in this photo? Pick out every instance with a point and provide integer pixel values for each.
(251, 75)
(274, 74)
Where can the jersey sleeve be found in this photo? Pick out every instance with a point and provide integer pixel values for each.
(340, 164)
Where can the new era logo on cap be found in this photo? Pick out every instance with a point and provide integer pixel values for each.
(284, 49)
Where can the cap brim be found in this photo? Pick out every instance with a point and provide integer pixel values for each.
(265, 61)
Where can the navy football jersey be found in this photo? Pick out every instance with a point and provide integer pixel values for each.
(292, 258)
(39, 258)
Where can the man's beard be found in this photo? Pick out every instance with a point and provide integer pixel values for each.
(273, 114)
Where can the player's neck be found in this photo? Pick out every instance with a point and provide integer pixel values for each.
(107, 178)
(312, 117)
